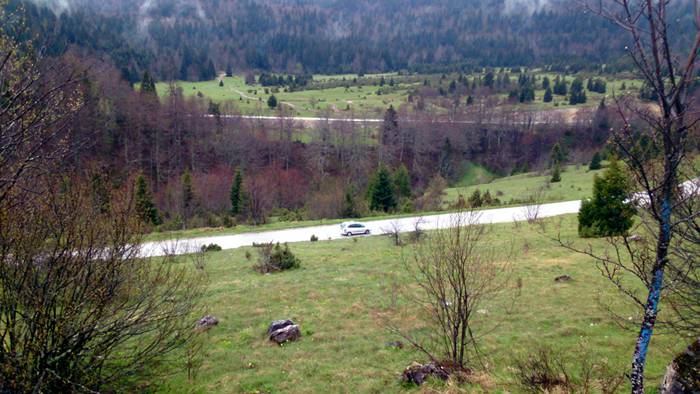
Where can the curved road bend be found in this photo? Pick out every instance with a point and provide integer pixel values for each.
(332, 231)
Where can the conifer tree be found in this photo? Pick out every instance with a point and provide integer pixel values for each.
(402, 181)
(187, 196)
(556, 174)
(607, 213)
(349, 209)
(595, 162)
(237, 194)
(145, 208)
(272, 102)
(381, 196)
(557, 156)
(148, 84)
(547, 96)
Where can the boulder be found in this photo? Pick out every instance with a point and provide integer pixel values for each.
(563, 278)
(278, 324)
(286, 334)
(206, 323)
(683, 374)
(419, 373)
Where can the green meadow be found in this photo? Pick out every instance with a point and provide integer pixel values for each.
(369, 99)
(346, 292)
(357, 101)
(576, 184)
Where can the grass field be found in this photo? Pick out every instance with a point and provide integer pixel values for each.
(474, 174)
(365, 100)
(576, 184)
(357, 101)
(342, 294)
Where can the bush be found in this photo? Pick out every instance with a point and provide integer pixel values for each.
(173, 224)
(548, 371)
(275, 258)
(211, 248)
(314, 238)
(475, 199)
(288, 215)
(543, 372)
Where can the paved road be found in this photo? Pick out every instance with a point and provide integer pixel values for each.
(377, 227)
(527, 120)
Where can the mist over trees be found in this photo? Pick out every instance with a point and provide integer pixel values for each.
(195, 40)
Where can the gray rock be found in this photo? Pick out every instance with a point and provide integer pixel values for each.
(206, 323)
(286, 334)
(419, 373)
(277, 324)
(683, 374)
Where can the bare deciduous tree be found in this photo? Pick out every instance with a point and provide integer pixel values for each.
(656, 167)
(458, 274)
(79, 308)
(38, 98)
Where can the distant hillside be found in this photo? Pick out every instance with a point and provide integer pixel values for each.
(194, 39)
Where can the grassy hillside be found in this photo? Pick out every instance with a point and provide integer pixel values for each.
(576, 183)
(343, 293)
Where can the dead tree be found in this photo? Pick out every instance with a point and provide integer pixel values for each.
(657, 167)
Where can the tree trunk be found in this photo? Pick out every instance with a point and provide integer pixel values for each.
(652, 304)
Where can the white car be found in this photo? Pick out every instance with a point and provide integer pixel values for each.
(353, 228)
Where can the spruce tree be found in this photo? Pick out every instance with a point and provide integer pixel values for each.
(187, 195)
(148, 84)
(382, 196)
(556, 174)
(595, 162)
(145, 208)
(547, 96)
(402, 180)
(557, 156)
(349, 209)
(608, 213)
(578, 94)
(237, 194)
(546, 84)
(272, 102)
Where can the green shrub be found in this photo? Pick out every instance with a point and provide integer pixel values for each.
(314, 238)
(211, 248)
(274, 259)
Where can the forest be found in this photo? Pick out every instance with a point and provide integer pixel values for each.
(195, 40)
